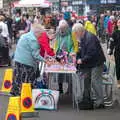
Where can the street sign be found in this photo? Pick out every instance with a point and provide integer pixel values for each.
(7, 84)
(11, 117)
(27, 102)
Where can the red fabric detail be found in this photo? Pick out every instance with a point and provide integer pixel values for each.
(43, 41)
(111, 26)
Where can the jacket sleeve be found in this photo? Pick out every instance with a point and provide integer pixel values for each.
(75, 42)
(35, 50)
(44, 42)
(91, 49)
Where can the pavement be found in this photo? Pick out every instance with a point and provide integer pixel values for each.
(65, 110)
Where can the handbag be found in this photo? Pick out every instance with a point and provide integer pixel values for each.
(45, 99)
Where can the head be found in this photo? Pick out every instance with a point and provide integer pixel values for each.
(118, 23)
(85, 19)
(63, 25)
(23, 17)
(112, 18)
(27, 16)
(37, 29)
(17, 14)
(102, 15)
(108, 13)
(79, 30)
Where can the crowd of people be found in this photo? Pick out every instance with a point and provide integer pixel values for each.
(77, 37)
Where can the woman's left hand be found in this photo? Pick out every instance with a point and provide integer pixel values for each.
(72, 54)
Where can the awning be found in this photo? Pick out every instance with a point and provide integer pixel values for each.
(32, 3)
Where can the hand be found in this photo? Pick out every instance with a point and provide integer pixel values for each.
(72, 54)
(112, 58)
(79, 61)
(109, 51)
(52, 36)
(48, 63)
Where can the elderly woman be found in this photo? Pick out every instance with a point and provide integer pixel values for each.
(63, 42)
(27, 55)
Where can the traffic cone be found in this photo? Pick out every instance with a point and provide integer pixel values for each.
(7, 82)
(27, 109)
(13, 112)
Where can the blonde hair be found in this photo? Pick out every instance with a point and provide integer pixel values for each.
(37, 28)
(78, 27)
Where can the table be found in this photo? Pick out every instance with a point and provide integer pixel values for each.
(52, 74)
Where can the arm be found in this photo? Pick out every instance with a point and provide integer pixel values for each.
(6, 33)
(75, 42)
(35, 49)
(43, 41)
(112, 44)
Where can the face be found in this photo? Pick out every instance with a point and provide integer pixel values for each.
(78, 35)
(118, 23)
(18, 15)
(63, 28)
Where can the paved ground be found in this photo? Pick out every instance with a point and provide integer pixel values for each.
(65, 111)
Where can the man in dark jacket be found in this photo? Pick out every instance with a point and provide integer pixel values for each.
(90, 60)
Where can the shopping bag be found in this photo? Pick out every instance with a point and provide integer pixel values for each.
(45, 99)
(41, 82)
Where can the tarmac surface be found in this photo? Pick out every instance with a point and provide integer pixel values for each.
(65, 110)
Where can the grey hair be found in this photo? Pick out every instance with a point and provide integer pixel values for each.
(37, 28)
(63, 23)
(78, 27)
(112, 17)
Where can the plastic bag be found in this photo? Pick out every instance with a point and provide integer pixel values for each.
(45, 99)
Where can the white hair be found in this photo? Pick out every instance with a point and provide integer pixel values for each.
(78, 27)
(63, 23)
(112, 17)
(37, 28)
(85, 19)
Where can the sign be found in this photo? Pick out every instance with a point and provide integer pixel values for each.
(93, 2)
(1, 4)
(7, 84)
(27, 102)
(64, 3)
(77, 2)
(107, 1)
(11, 117)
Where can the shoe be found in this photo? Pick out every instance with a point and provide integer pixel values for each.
(101, 106)
(86, 105)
